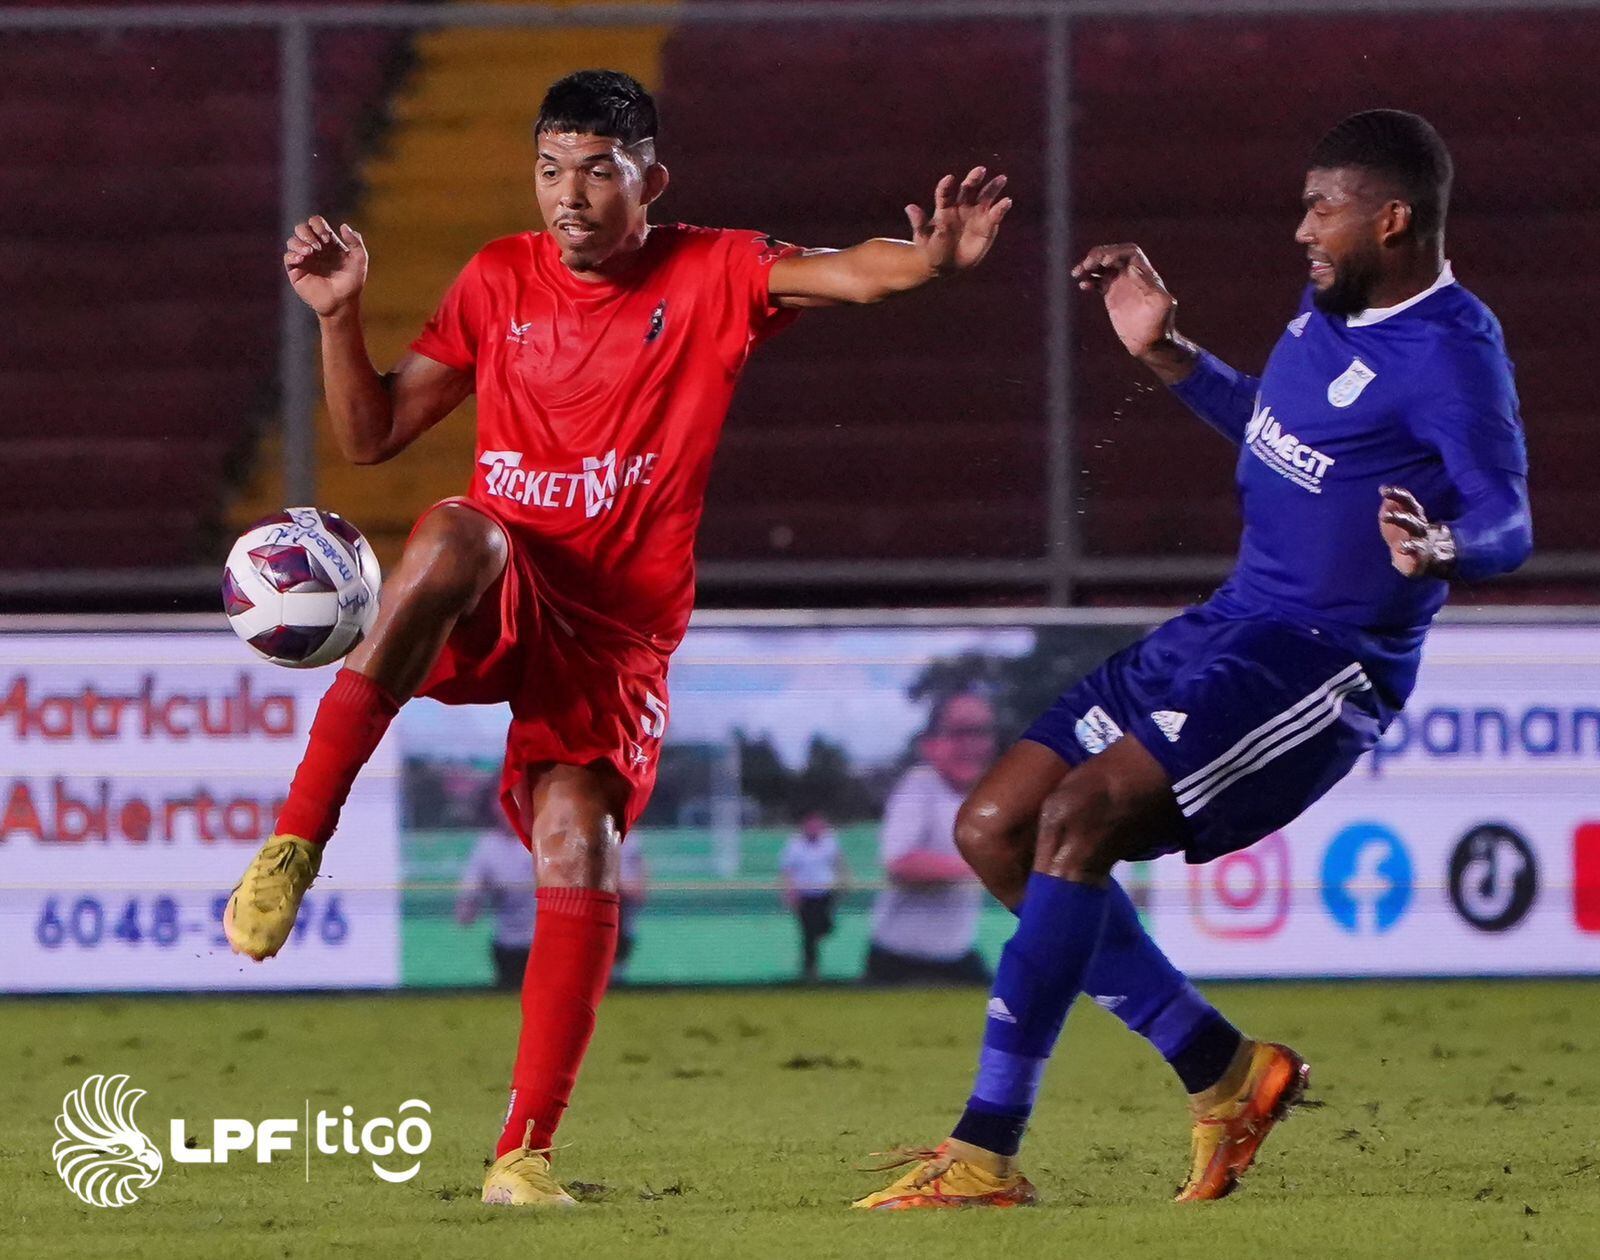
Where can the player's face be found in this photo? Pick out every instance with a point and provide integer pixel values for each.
(962, 746)
(1342, 230)
(593, 191)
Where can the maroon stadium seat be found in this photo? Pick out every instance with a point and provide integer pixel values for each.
(139, 280)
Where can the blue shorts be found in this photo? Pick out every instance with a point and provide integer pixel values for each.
(1253, 719)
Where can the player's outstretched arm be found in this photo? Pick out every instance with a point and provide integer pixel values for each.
(375, 417)
(954, 238)
(1143, 314)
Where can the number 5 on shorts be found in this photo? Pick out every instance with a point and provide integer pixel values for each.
(653, 720)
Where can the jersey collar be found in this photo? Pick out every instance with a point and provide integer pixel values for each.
(1377, 314)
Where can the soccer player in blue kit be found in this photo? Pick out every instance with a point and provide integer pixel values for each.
(1381, 458)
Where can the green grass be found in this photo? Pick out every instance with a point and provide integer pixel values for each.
(1459, 1120)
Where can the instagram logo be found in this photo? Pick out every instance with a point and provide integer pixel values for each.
(1245, 894)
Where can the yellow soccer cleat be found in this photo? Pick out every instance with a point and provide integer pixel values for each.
(952, 1175)
(261, 911)
(522, 1178)
(1229, 1132)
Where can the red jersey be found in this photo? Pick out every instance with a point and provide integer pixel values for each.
(600, 405)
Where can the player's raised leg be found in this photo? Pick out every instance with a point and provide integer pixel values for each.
(1105, 810)
(997, 832)
(454, 557)
(1236, 1087)
(575, 821)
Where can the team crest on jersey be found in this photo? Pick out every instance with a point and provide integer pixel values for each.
(769, 247)
(1347, 387)
(1297, 325)
(1097, 730)
(518, 332)
(658, 321)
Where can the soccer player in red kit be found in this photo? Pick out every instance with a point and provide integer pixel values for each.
(604, 354)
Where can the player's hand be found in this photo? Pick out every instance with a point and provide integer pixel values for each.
(328, 269)
(1143, 313)
(1417, 548)
(964, 222)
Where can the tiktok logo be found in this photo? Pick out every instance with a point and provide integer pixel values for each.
(1493, 877)
(1366, 878)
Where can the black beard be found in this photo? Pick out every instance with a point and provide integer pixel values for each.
(1351, 288)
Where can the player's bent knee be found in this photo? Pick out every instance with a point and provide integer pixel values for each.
(1083, 831)
(1082, 856)
(578, 858)
(977, 833)
(576, 837)
(454, 557)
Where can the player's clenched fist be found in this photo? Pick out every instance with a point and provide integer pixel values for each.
(327, 268)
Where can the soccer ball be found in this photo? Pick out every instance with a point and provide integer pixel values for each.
(301, 587)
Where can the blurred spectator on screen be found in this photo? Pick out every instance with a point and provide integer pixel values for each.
(634, 879)
(813, 868)
(925, 923)
(498, 876)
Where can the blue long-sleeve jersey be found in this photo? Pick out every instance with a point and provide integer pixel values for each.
(1418, 395)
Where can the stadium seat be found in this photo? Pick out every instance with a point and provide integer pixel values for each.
(139, 281)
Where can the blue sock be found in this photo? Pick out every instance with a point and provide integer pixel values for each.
(1134, 980)
(1041, 971)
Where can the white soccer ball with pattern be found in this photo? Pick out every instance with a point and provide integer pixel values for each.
(301, 587)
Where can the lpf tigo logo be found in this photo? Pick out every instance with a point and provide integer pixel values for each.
(106, 1159)
(1366, 878)
(100, 1152)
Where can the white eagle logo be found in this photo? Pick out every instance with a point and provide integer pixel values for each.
(101, 1153)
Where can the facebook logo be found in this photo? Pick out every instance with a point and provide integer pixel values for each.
(1366, 878)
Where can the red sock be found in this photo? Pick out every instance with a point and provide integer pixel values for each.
(574, 944)
(349, 724)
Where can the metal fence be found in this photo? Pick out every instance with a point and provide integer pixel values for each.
(1063, 568)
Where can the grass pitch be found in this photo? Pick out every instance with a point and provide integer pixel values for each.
(1458, 1120)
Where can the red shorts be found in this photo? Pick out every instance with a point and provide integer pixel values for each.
(579, 692)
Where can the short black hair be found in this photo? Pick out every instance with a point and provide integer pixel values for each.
(599, 103)
(1402, 146)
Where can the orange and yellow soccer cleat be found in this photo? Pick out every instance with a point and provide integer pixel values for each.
(1228, 1132)
(952, 1175)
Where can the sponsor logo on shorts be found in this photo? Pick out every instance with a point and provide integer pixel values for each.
(1242, 895)
(1494, 879)
(1345, 388)
(1096, 731)
(1367, 878)
(598, 482)
(1284, 453)
(1169, 723)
